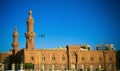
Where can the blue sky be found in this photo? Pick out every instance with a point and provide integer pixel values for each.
(64, 22)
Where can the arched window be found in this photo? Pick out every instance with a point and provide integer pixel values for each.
(63, 58)
(100, 58)
(53, 58)
(43, 58)
(74, 57)
(91, 59)
(110, 58)
(82, 58)
(32, 58)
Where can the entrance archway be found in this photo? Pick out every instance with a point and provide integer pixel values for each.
(74, 61)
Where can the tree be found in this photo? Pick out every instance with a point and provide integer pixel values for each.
(28, 66)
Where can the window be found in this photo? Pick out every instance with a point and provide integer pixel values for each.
(83, 47)
(32, 58)
(100, 58)
(53, 58)
(88, 48)
(73, 55)
(63, 58)
(96, 48)
(82, 58)
(91, 58)
(110, 59)
(43, 58)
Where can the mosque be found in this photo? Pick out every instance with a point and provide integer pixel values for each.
(71, 57)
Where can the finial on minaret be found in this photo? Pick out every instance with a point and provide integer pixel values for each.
(30, 19)
(30, 12)
(15, 28)
(15, 31)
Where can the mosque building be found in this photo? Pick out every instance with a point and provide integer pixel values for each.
(71, 57)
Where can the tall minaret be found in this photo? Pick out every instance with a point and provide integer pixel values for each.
(15, 43)
(30, 34)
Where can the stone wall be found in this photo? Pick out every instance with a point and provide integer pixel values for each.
(70, 58)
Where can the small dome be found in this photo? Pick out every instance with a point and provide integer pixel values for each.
(30, 19)
(15, 32)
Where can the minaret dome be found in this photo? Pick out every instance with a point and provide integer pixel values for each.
(15, 34)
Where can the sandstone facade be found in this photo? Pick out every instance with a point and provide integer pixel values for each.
(67, 58)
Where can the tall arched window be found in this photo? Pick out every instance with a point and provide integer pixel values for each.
(91, 59)
(110, 58)
(82, 58)
(53, 58)
(32, 58)
(100, 58)
(43, 58)
(63, 58)
(74, 57)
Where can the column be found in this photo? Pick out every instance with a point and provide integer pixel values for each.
(91, 67)
(53, 67)
(99, 67)
(47, 67)
(13, 67)
(43, 67)
(77, 66)
(39, 67)
(82, 67)
(2, 67)
(21, 66)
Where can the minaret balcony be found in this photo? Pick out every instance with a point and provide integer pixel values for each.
(30, 34)
(15, 44)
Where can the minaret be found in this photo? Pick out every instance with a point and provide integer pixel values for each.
(30, 34)
(15, 43)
